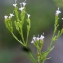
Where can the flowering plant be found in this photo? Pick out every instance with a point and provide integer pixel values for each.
(37, 41)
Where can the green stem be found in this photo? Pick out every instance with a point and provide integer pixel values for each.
(55, 29)
(38, 55)
(22, 36)
(31, 56)
(27, 38)
(17, 39)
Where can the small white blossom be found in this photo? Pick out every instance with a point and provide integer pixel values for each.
(24, 3)
(42, 37)
(11, 15)
(32, 41)
(5, 16)
(28, 15)
(62, 18)
(58, 11)
(34, 38)
(21, 8)
(14, 5)
(37, 38)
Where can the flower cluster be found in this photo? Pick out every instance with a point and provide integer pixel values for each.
(58, 11)
(37, 38)
(11, 15)
(21, 9)
(21, 4)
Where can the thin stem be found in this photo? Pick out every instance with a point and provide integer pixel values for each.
(22, 36)
(38, 55)
(17, 39)
(27, 38)
(31, 56)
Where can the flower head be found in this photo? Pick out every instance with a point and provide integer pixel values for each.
(11, 15)
(5, 16)
(58, 11)
(24, 3)
(21, 8)
(37, 38)
(32, 41)
(28, 15)
(14, 5)
(42, 37)
(34, 38)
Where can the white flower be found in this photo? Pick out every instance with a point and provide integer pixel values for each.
(5, 16)
(32, 41)
(11, 15)
(62, 18)
(14, 5)
(28, 15)
(38, 38)
(58, 11)
(34, 38)
(24, 3)
(42, 37)
(21, 8)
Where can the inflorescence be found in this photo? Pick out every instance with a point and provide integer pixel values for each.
(23, 4)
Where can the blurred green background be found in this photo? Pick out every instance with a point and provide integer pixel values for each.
(42, 20)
